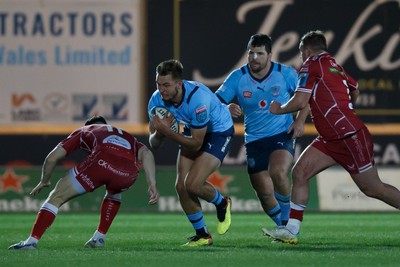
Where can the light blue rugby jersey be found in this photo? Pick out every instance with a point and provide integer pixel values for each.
(254, 96)
(200, 107)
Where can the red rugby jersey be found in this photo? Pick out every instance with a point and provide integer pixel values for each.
(331, 109)
(103, 137)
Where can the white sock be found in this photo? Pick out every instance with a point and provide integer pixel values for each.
(293, 226)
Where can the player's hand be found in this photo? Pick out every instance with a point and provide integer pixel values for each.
(163, 126)
(235, 110)
(154, 195)
(275, 107)
(39, 188)
(297, 128)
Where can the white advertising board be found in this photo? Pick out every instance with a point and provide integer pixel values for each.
(338, 192)
(62, 61)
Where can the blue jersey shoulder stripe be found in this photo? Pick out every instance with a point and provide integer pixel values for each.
(191, 94)
(221, 99)
(279, 67)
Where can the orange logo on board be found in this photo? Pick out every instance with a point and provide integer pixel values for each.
(17, 100)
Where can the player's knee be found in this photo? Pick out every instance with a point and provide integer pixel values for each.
(278, 173)
(180, 188)
(193, 188)
(55, 199)
(298, 174)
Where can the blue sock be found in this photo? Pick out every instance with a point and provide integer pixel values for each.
(217, 199)
(198, 223)
(284, 202)
(275, 215)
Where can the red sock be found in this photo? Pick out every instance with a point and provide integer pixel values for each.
(43, 221)
(296, 214)
(109, 209)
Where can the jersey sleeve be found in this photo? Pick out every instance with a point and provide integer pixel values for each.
(199, 109)
(351, 82)
(227, 91)
(290, 75)
(138, 145)
(72, 142)
(307, 78)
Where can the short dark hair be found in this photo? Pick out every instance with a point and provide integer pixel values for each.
(96, 120)
(315, 40)
(171, 67)
(260, 39)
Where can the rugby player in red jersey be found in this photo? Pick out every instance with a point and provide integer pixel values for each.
(343, 138)
(112, 162)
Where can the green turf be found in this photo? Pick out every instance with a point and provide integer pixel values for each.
(340, 240)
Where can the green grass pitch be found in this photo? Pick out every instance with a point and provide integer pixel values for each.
(327, 239)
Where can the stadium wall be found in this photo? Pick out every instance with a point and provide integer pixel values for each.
(62, 61)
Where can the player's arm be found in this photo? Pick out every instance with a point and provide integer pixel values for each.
(49, 164)
(234, 108)
(156, 139)
(354, 95)
(298, 101)
(146, 157)
(298, 125)
(352, 86)
(162, 128)
(226, 94)
(190, 143)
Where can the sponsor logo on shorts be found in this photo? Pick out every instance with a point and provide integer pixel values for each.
(87, 180)
(228, 139)
(104, 164)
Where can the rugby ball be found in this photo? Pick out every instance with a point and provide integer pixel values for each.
(161, 112)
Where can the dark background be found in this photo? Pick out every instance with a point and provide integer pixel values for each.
(212, 40)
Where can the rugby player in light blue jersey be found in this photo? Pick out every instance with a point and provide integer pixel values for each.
(205, 141)
(269, 138)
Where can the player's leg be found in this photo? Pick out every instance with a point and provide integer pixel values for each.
(310, 162)
(190, 203)
(211, 155)
(281, 147)
(66, 188)
(258, 155)
(109, 209)
(196, 184)
(280, 162)
(359, 162)
(371, 185)
(264, 188)
(117, 178)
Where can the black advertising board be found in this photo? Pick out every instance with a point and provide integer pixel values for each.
(386, 150)
(210, 39)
